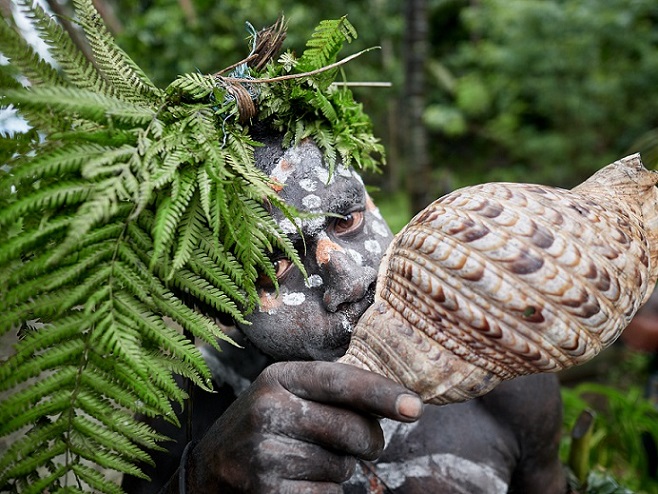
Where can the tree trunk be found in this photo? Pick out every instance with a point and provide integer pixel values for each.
(418, 170)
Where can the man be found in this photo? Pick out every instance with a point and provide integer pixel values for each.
(309, 425)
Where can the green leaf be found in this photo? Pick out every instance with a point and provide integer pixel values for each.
(124, 207)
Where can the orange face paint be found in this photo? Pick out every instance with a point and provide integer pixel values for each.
(324, 249)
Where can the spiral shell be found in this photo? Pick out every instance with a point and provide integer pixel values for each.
(499, 280)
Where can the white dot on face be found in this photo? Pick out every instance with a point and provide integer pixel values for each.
(343, 171)
(314, 281)
(294, 298)
(347, 325)
(377, 214)
(308, 185)
(373, 246)
(314, 226)
(380, 229)
(358, 258)
(312, 201)
(282, 171)
(287, 226)
(323, 175)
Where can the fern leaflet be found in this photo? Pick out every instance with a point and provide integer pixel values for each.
(124, 208)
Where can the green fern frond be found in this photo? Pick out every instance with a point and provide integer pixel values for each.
(34, 342)
(30, 403)
(108, 439)
(32, 440)
(325, 44)
(69, 193)
(140, 205)
(326, 141)
(24, 57)
(30, 463)
(127, 79)
(15, 246)
(56, 161)
(90, 105)
(78, 71)
(194, 86)
(170, 213)
(199, 325)
(102, 458)
(95, 480)
(205, 267)
(189, 232)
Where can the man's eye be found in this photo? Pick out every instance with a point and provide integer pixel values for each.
(349, 223)
(281, 268)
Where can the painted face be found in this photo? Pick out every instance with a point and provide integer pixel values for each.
(313, 318)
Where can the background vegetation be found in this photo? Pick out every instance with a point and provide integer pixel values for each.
(532, 90)
(481, 90)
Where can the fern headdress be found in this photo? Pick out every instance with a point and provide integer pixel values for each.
(120, 197)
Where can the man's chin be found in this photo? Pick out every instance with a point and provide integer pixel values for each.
(331, 353)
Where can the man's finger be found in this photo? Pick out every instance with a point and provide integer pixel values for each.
(334, 427)
(349, 386)
(297, 460)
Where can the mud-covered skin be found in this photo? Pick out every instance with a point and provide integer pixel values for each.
(506, 441)
(324, 427)
(341, 246)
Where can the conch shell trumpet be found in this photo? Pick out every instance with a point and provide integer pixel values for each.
(500, 280)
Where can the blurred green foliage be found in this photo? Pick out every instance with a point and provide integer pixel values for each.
(614, 389)
(542, 90)
(517, 90)
(623, 419)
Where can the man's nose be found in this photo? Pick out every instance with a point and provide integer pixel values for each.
(346, 280)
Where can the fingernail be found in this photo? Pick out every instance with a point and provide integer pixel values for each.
(409, 406)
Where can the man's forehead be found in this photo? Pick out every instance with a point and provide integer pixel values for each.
(304, 179)
(305, 166)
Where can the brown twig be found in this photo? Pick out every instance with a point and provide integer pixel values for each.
(239, 80)
(189, 11)
(231, 67)
(77, 36)
(363, 84)
(268, 43)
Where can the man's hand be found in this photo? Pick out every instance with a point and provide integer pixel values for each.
(298, 428)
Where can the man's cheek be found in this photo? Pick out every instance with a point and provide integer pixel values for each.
(373, 248)
(268, 302)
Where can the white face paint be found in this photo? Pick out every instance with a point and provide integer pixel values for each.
(358, 258)
(308, 185)
(449, 471)
(282, 171)
(358, 177)
(343, 171)
(347, 325)
(314, 281)
(377, 214)
(323, 175)
(312, 202)
(380, 229)
(296, 323)
(373, 246)
(295, 298)
(287, 226)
